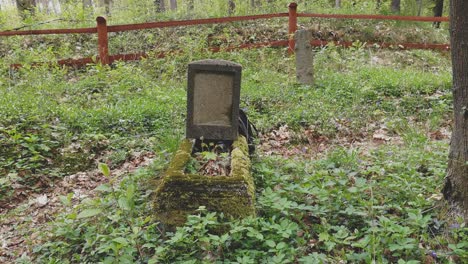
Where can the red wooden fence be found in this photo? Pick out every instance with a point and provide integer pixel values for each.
(102, 30)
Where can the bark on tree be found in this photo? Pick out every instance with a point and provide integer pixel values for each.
(419, 4)
(395, 6)
(106, 4)
(173, 4)
(190, 5)
(26, 5)
(378, 4)
(456, 183)
(337, 4)
(438, 10)
(160, 5)
(231, 7)
(87, 3)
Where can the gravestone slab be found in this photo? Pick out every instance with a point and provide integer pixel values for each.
(304, 57)
(213, 95)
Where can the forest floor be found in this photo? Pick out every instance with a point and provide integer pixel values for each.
(346, 170)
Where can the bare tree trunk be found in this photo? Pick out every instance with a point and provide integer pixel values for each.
(87, 3)
(25, 5)
(106, 4)
(420, 4)
(395, 6)
(160, 5)
(438, 10)
(337, 4)
(173, 4)
(456, 183)
(190, 5)
(231, 7)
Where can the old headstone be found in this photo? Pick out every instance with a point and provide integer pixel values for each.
(213, 93)
(212, 113)
(304, 57)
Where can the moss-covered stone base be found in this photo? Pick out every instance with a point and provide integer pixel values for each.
(180, 194)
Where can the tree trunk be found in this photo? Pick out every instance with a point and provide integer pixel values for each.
(160, 5)
(231, 7)
(173, 4)
(190, 5)
(395, 6)
(456, 183)
(25, 5)
(337, 4)
(378, 5)
(87, 3)
(438, 10)
(106, 4)
(420, 4)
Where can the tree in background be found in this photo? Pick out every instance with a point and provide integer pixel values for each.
(337, 4)
(25, 6)
(395, 6)
(106, 4)
(438, 10)
(231, 7)
(173, 4)
(160, 5)
(419, 4)
(456, 183)
(87, 3)
(190, 5)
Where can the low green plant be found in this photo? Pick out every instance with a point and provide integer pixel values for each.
(373, 202)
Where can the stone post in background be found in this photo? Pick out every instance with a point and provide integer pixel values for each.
(304, 57)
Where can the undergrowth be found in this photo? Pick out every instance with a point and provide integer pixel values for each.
(374, 203)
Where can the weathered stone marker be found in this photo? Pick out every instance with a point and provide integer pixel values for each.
(212, 113)
(213, 99)
(304, 57)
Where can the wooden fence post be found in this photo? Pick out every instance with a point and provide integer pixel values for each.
(292, 26)
(103, 44)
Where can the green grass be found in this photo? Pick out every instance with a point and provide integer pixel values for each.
(373, 203)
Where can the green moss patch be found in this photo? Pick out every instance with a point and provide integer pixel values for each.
(179, 194)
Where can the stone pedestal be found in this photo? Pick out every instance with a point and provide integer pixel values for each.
(304, 57)
(179, 194)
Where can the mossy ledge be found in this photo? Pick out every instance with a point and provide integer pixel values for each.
(179, 194)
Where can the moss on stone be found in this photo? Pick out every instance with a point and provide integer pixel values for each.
(180, 194)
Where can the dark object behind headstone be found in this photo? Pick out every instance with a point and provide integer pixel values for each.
(246, 129)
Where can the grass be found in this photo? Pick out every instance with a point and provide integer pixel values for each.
(361, 204)
(369, 194)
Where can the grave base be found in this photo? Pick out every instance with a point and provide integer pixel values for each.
(180, 194)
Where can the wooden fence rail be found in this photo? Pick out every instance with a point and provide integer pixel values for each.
(102, 30)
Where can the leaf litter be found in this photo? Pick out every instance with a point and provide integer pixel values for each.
(21, 223)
